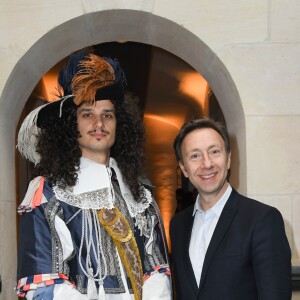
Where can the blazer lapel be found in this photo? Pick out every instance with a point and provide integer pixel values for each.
(223, 224)
(186, 256)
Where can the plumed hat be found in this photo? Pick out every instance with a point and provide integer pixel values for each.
(85, 78)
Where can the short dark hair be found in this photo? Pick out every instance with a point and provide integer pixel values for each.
(198, 124)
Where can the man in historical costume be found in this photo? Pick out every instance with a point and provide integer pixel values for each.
(88, 228)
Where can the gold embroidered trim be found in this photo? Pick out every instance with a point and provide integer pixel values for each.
(119, 229)
(115, 224)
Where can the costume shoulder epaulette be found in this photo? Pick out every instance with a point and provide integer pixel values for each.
(34, 196)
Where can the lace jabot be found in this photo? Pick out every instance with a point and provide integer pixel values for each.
(94, 190)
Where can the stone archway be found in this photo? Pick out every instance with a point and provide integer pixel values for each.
(87, 30)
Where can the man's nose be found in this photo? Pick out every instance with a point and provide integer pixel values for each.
(98, 122)
(207, 161)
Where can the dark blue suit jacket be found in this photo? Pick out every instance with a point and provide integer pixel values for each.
(248, 258)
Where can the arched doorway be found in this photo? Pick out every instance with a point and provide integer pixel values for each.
(91, 29)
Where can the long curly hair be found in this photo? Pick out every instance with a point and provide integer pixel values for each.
(60, 151)
(128, 149)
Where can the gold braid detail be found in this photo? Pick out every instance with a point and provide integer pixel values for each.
(119, 229)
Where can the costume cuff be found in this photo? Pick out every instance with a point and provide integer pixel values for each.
(158, 269)
(37, 281)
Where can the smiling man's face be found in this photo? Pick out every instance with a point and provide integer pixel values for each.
(206, 163)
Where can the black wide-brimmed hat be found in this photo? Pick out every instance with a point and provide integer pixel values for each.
(86, 78)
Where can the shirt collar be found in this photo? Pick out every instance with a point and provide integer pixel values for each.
(88, 177)
(219, 205)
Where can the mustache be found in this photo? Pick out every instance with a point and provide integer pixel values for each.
(101, 130)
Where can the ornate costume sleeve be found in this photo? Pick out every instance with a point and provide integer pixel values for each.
(37, 265)
(157, 282)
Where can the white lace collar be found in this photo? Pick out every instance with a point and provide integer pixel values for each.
(93, 189)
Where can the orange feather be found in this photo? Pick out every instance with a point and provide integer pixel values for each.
(96, 72)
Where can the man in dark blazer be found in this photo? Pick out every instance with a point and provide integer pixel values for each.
(226, 246)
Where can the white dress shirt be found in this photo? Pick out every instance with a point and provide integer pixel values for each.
(203, 228)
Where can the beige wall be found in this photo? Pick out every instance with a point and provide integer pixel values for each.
(247, 50)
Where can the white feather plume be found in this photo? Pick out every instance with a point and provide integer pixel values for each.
(27, 136)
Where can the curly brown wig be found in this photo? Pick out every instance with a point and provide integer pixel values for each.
(128, 149)
(60, 152)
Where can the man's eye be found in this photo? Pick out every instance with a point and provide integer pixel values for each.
(215, 152)
(86, 116)
(107, 116)
(195, 156)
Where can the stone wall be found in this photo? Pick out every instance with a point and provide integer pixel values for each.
(248, 51)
